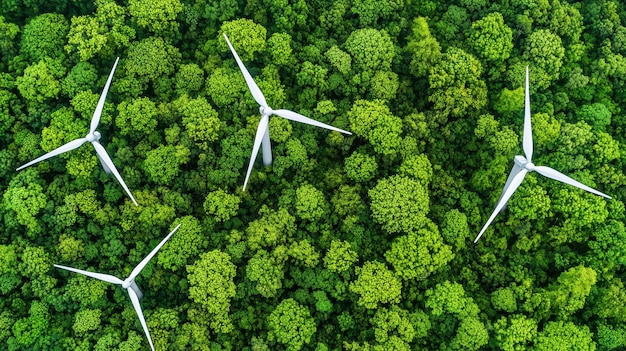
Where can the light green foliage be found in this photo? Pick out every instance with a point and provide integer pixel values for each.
(163, 163)
(471, 334)
(455, 229)
(221, 205)
(8, 32)
(279, 46)
(312, 75)
(304, 253)
(44, 36)
(26, 199)
(106, 29)
(266, 272)
(376, 284)
(273, 228)
(574, 285)
(280, 130)
(340, 256)
(530, 201)
(310, 203)
(189, 78)
(545, 53)
(371, 49)
(606, 148)
(424, 48)
(546, 129)
(360, 167)
(610, 338)
(86, 291)
(225, 86)
(29, 330)
(38, 84)
(199, 118)
(561, 336)
(390, 321)
(512, 101)
(291, 324)
(450, 298)
(418, 167)
(374, 121)
(70, 249)
(64, 127)
(419, 254)
(246, 37)
(155, 15)
(339, 59)
(86, 320)
(137, 116)
(9, 275)
(185, 244)
(211, 286)
(399, 204)
(515, 333)
(384, 85)
(491, 39)
(456, 85)
(151, 58)
(504, 299)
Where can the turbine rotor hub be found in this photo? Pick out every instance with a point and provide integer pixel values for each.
(126, 284)
(91, 137)
(530, 166)
(266, 111)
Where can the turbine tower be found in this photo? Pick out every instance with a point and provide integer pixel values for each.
(93, 137)
(129, 283)
(523, 165)
(262, 133)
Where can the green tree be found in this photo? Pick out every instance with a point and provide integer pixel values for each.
(310, 203)
(376, 284)
(515, 332)
(86, 321)
(564, 336)
(162, 164)
(184, 244)
(491, 39)
(221, 205)
(419, 254)
(39, 83)
(189, 79)
(455, 84)
(291, 324)
(264, 270)
(399, 204)
(340, 256)
(374, 121)
(371, 50)
(246, 37)
(156, 16)
(211, 286)
(360, 167)
(369, 11)
(271, 229)
(424, 48)
(44, 36)
(545, 52)
(137, 116)
(200, 120)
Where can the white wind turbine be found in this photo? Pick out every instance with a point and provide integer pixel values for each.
(128, 284)
(93, 138)
(523, 165)
(262, 133)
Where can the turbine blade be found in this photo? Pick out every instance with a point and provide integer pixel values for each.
(61, 149)
(104, 277)
(514, 171)
(100, 106)
(104, 165)
(302, 119)
(528, 131)
(145, 261)
(506, 195)
(104, 157)
(260, 131)
(135, 300)
(254, 89)
(556, 175)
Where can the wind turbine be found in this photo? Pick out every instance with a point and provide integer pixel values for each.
(128, 284)
(93, 138)
(262, 132)
(523, 165)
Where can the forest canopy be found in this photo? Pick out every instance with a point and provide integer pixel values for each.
(346, 242)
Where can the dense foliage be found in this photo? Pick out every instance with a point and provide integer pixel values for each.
(359, 242)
